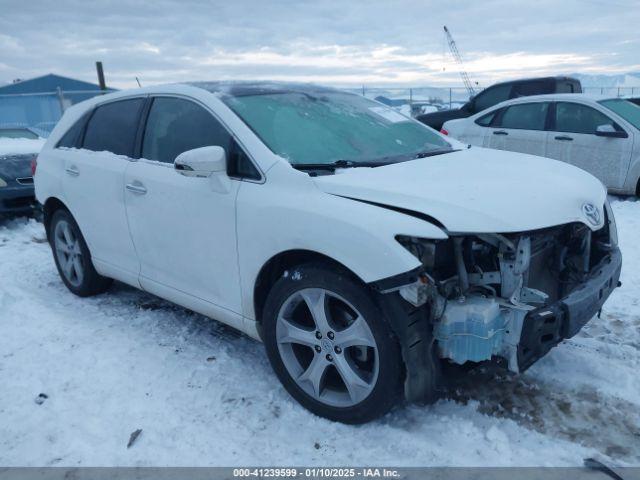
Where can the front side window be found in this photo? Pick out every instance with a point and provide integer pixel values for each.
(578, 118)
(328, 126)
(113, 127)
(175, 125)
(492, 96)
(627, 110)
(526, 116)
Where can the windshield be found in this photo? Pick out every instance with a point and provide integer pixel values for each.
(627, 110)
(329, 127)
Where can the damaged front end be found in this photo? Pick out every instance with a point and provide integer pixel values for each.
(510, 297)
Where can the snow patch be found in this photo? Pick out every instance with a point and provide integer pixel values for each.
(204, 395)
(17, 146)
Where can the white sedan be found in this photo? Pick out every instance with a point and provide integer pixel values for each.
(361, 246)
(598, 134)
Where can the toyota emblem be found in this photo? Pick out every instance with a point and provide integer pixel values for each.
(592, 213)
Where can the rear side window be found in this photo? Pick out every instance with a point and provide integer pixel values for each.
(491, 96)
(526, 116)
(175, 125)
(113, 126)
(577, 118)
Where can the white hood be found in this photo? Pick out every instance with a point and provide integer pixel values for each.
(478, 190)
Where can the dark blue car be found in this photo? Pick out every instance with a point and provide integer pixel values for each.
(19, 147)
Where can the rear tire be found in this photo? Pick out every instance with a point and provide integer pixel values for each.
(72, 257)
(330, 345)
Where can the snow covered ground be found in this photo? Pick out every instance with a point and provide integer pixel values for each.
(204, 395)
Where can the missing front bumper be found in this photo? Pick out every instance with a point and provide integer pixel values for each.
(547, 326)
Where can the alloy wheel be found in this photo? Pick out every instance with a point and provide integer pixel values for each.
(327, 347)
(68, 253)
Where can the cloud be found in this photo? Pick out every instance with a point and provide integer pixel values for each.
(326, 41)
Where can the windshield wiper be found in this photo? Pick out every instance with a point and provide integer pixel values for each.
(337, 164)
(433, 153)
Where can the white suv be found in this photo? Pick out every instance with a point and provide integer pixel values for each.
(362, 247)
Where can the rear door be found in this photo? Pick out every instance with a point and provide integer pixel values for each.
(573, 139)
(520, 128)
(94, 186)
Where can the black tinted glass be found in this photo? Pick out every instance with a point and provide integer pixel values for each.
(240, 165)
(527, 116)
(492, 96)
(565, 87)
(71, 138)
(112, 127)
(175, 125)
(532, 88)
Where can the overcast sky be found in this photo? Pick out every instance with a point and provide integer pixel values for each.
(336, 42)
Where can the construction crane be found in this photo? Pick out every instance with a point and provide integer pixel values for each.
(458, 58)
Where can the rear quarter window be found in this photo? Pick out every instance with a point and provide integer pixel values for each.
(532, 88)
(485, 120)
(71, 138)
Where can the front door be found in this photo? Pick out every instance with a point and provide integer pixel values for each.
(573, 140)
(183, 228)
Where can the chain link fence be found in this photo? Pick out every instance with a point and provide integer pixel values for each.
(42, 111)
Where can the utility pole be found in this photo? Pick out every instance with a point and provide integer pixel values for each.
(101, 82)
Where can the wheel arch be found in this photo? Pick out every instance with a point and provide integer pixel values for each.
(410, 325)
(275, 267)
(50, 206)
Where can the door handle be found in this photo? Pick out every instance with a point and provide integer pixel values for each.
(73, 171)
(136, 188)
(500, 132)
(564, 138)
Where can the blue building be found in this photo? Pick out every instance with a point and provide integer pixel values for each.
(40, 102)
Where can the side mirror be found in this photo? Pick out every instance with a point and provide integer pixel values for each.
(608, 130)
(201, 162)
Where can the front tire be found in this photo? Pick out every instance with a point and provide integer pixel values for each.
(330, 345)
(72, 257)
